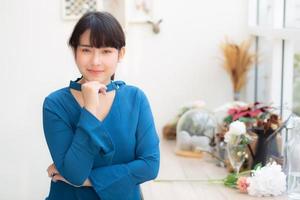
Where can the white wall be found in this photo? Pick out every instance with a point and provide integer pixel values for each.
(179, 65)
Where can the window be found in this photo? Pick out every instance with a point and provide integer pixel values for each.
(276, 25)
(265, 13)
(296, 80)
(264, 70)
(293, 13)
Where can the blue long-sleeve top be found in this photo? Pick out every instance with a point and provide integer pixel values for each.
(116, 154)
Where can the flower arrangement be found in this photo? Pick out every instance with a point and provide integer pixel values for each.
(237, 141)
(263, 181)
(264, 124)
(237, 62)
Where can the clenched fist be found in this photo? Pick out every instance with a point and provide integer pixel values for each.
(90, 93)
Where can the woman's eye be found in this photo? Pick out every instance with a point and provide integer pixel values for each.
(85, 50)
(106, 51)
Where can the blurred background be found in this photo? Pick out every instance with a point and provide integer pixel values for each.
(173, 54)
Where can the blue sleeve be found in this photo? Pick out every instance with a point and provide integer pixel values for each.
(119, 180)
(73, 150)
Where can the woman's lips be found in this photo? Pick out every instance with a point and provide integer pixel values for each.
(94, 71)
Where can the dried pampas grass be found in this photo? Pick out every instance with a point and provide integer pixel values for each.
(238, 61)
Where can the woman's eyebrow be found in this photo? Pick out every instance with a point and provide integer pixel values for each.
(84, 45)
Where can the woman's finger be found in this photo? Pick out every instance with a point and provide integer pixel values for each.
(103, 91)
(57, 177)
(52, 174)
(52, 170)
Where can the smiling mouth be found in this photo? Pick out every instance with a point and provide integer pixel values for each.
(95, 71)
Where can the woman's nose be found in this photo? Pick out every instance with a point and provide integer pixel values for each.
(97, 59)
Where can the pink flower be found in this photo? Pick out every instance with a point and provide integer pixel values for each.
(255, 113)
(242, 184)
(232, 111)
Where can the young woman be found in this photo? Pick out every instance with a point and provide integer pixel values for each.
(100, 132)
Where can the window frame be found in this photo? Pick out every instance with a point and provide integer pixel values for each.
(283, 42)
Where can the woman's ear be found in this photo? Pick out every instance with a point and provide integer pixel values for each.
(121, 53)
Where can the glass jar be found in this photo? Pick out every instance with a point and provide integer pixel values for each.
(293, 161)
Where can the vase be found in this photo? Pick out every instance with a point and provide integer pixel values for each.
(220, 149)
(237, 154)
(266, 146)
(236, 96)
(293, 161)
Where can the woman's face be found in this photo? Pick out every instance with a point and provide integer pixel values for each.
(96, 64)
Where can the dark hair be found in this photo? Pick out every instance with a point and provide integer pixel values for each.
(106, 31)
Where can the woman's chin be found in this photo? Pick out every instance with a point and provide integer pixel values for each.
(98, 79)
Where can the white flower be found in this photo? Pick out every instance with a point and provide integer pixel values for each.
(267, 181)
(236, 128)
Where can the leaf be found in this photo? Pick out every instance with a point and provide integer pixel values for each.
(232, 111)
(255, 113)
(230, 180)
(228, 119)
(258, 166)
(247, 120)
(244, 140)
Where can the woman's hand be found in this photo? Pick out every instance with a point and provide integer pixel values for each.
(54, 174)
(52, 170)
(87, 183)
(90, 93)
(58, 177)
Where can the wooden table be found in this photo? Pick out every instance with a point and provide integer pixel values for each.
(182, 169)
